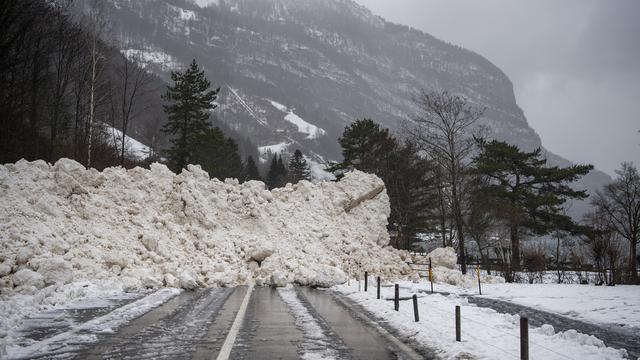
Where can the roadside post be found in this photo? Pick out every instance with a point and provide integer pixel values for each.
(366, 280)
(524, 338)
(479, 286)
(396, 299)
(416, 315)
(458, 328)
(378, 286)
(431, 275)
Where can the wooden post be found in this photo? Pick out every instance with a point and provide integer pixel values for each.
(458, 329)
(396, 300)
(378, 281)
(431, 275)
(415, 308)
(479, 287)
(524, 338)
(366, 280)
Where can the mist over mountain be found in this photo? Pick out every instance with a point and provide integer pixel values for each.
(294, 73)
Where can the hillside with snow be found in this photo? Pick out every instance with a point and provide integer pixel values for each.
(296, 72)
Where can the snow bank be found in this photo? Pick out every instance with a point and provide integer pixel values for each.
(486, 334)
(444, 269)
(152, 228)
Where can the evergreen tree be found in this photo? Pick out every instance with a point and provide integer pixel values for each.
(218, 155)
(190, 102)
(530, 194)
(274, 175)
(298, 168)
(364, 145)
(252, 172)
(283, 172)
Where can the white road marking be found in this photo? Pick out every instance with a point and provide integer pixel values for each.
(225, 351)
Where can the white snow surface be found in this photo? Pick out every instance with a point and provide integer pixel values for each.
(273, 149)
(132, 146)
(618, 305)
(137, 229)
(312, 131)
(486, 334)
(147, 57)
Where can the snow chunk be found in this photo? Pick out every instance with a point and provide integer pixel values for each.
(26, 277)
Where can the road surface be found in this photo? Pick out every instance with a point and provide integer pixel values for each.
(232, 323)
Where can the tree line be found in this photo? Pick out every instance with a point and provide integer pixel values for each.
(445, 179)
(65, 89)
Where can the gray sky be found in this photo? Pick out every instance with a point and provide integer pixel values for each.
(575, 64)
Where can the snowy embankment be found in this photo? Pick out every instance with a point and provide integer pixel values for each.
(140, 229)
(486, 334)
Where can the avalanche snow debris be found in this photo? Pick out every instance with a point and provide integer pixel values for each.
(443, 261)
(141, 229)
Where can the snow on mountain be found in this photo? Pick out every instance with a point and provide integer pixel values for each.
(133, 147)
(333, 61)
(312, 131)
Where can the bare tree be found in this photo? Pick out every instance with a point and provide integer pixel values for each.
(98, 25)
(442, 128)
(620, 200)
(133, 86)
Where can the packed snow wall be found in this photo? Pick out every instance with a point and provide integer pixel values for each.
(142, 228)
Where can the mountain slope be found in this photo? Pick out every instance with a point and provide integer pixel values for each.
(295, 72)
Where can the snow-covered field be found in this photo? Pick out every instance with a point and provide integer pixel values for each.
(486, 334)
(618, 305)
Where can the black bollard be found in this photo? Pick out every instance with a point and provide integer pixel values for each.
(378, 281)
(524, 338)
(396, 300)
(366, 280)
(458, 329)
(415, 308)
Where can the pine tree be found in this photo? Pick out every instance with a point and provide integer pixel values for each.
(218, 155)
(252, 172)
(298, 168)
(283, 172)
(529, 194)
(190, 104)
(364, 145)
(273, 174)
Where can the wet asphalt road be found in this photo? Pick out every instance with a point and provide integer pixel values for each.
(195, 325)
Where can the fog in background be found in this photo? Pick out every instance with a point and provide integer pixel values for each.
(574, 64)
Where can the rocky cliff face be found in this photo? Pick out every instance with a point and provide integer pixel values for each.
(295, 72)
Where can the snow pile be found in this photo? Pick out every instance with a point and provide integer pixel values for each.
(444, 269)
(152, 228)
